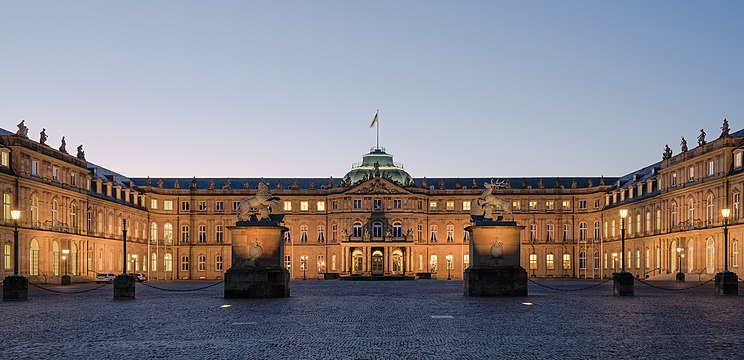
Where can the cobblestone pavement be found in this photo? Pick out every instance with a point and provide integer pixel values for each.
(371, 320)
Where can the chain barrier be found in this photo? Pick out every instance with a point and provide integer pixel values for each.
(183, 290)
(568, 290)
(673, 289)
(67, 292)
(740, 279)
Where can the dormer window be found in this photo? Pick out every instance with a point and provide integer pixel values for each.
(4, 158)
(738, 159)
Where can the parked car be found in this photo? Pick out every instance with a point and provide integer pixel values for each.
(140, 277)
(109, 278)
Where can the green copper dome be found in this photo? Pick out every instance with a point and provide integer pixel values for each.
(377, 163)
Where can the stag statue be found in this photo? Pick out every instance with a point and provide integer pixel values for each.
(485, 204)
(262, 205)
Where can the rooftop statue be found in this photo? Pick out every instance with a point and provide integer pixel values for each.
(683, 145)
(43, 136)
(701, 138)
(667, 152)
(22, 129)
(63, 146)
(262, 205)
(725, 128)
(80, 152)
(485, 204)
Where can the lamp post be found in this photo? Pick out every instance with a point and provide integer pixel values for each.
(623, 215)
(65, 279)
(15, 287)
(124, 283)
(680, 274)
(727, 283)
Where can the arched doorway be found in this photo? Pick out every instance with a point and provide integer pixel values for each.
(357, 261)
(377, 262)
(710, 256)
(397, 261)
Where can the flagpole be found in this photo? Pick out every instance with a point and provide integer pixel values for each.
(378, 129)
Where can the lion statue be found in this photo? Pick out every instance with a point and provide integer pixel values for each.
(262, 205)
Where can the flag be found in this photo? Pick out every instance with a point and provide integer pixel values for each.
(375, 120)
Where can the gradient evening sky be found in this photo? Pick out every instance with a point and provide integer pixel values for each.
(289, 88)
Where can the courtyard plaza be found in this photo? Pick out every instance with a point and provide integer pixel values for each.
(373, 320)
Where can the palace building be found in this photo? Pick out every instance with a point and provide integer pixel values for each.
(374, 220)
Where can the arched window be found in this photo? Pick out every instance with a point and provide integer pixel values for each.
(583, 229)
(321, 233)
(533, 232)
(154, 232)
(202, 234)
(7, 200)
(397, 229)
(596, 230)
(34, 258)
(450, 233)
(288, 234)
(638, 258)
(377, 229)
(639, 228)
(673, 219)
(119, 225)
(55, 213)
(303, 233)
(185, 234)
(357, 229)
(218, 233)
(55, 258)
(735, 253)
(710, 256)
(433, 264)
(657, 222)
(648, 221)
(433, 230)
(566, 261)
(736, 202)
(549, 261)
(334, 235)
(168, 233)
(709, 210)
(73, 217)
(154, 262)
(168, 260)
(34, 210)
(690, 212)
(202, 262)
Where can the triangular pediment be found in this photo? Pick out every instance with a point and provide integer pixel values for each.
(377, 186)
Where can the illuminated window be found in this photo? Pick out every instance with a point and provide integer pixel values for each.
(153, 203)
(550, 261)
(450, 233)
(7, 259)
(167, 233)
(450, 205)
(466, 261)
(566, 205)
(549, 205)
(287, 206)
(6, 207)
(320, 205)
(168, 261)
(638, 259)
(533, 205)
(4, 161)
(167, 204)
(154, 232)
(433, 264)
(735, 253)
(613, 229)
(533, 261)
(516, 205)
(288, 262)
(304, 206)
(321, 264)
(433, 206)
(566, 261)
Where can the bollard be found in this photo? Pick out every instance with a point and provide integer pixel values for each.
(124, 287)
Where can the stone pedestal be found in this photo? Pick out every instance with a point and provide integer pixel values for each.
(124, 287)
(15, 287)
(495, 268)
(623, 284)
(727, 283)
(257, 260)
(680, 277)
(65, 280)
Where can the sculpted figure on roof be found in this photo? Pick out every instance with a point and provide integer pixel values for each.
(725, 128)
(701, 138)
(63, 145)
(22, 129)
(42, 136)
(683, 145)
(667, 152)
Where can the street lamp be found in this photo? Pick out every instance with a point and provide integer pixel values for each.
(623, 215)
(65, 252)
(449, 266)
(15, 215)
(726, 213)
(680, 277)
(15, 287)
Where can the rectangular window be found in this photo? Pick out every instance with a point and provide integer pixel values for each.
(450, 205)
(582, 204)
(304, 205)
(168, 205)
(516, 205)
(691, 173)
(533, 261)
(433, 206)
(377, 204)
(320, 205)
(218, 263)
(35, 168)
(674, 179)
(710, 168)
(185, 206)
(397, 204)
(287, 206)
(466, 205)
(4, 159)
(184, 263)
(6, 207)
(357, 204)
(288, 262)
(219, 206)
(7, 262)
(738, 160)
(596, 203)
(566, 261)
(550, 261)
(202, 263)
(72, 179)
(549, 205)
(420, 205)
(55, 173)
(334, 205)
(235, 205)
(153, 203)
(533, 205)
(202, 206)
(566, 205)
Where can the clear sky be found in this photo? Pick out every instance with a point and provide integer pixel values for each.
(289, 88)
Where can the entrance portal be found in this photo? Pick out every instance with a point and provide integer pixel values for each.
(377, 263)
(397, 261)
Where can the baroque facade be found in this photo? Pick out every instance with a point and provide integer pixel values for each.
(375, 220)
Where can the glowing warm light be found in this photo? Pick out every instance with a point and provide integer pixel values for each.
(623, 213)
(225, 306)
(726, 213)
(679, 250)
(527, 303)
(65, 251)
(15, 214)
